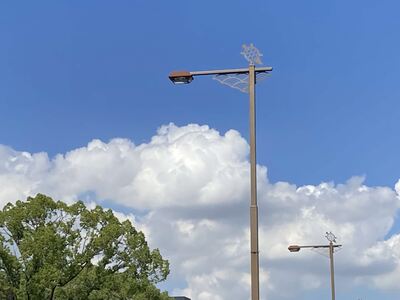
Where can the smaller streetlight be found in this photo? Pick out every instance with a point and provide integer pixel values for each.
(332, 239)
(294, 248)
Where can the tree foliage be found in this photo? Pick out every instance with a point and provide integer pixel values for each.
(51, 250)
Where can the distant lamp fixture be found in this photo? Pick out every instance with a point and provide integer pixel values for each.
(294, 248)
(181, 77)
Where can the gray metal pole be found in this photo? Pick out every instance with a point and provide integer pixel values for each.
(332, 270)
(255, 290)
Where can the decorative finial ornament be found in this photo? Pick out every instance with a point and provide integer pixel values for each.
(251, 54)
(330, 237)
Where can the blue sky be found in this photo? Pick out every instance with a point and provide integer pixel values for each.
(73, 71)
(102, 69)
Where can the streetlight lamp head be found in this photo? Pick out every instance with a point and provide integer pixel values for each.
(180, 77)
(294, 248)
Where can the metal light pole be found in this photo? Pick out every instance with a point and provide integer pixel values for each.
(332, 239)
(254, 253)
(331, 246)
(248, 74)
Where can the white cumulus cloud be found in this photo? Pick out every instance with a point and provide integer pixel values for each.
(188, 190)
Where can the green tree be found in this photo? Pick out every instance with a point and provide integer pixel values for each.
(51, 250)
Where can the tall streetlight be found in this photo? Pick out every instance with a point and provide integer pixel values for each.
(245, 80)
(332, 239)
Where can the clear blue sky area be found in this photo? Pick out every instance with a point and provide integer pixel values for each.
(72, 71)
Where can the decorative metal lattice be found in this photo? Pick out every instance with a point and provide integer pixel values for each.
(321, 251)
(251, 54)
(325, 251)
(238, 81)
(331, 237)
(241, 81)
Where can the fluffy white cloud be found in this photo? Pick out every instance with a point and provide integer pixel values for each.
(188, 189)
